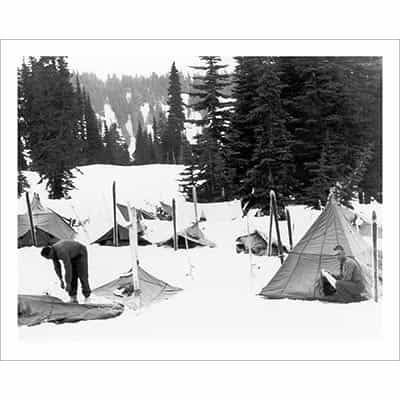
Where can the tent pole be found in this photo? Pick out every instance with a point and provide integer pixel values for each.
(33, 231)
(115, 230)
(271, 218)
(289, 223)
(133, 242)
(174, 224)
(375, 255)
(194, 195)
(278, 234)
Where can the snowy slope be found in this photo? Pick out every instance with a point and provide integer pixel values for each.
(219, 300)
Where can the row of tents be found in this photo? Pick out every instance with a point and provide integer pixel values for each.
(297, 278)
(50, 227)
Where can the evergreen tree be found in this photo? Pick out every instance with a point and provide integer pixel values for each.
(209, 147)
(189, 176)
(272, 160)
(141, 147)
(342, 96)
(80, 98)
(53, 136)
(23, 118)
(240, 139)
(95, 148)
(162, 139)
(157, 150)
(176, 116)
(115, 148)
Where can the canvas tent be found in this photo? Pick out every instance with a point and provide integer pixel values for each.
(258, 244)
(49, 226)
(192, 235)
(106, 239)
(152, 290)
(299, 276)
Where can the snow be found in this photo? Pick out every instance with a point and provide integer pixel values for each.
(219, 300)
(128, 96)
(145, 110)
(109, 114)
(132, 141)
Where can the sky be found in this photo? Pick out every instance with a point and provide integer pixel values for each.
(124, 65)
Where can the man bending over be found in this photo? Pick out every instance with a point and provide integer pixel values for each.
(74, 257)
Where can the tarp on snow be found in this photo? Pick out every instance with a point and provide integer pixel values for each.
(34, 310)
(152, 290)
(299, 276)
(49, 226)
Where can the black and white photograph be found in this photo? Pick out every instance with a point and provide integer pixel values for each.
(166, 199)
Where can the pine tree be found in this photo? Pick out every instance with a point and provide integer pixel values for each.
(272, 160)
(115, 148)
(23, 119)
(189, 176)
(209, 147)
(80, 98)
(95, 148)
(53, 135)
(162, 139)
(176, 116)
(157, 150)
(141, 146)
(324, 173)
(240, 140)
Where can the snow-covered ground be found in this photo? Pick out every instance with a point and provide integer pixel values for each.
(219, 300)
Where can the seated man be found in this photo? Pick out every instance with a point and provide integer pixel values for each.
(349, 283)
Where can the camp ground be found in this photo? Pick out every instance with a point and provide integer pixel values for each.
(196, 291)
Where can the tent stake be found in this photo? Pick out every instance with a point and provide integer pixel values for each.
(33, 231)
(289, 223)
(133, 242)
(174, 224)
(278, 234)
(375, 256)
(115, 230)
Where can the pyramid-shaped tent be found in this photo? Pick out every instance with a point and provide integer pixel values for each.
(299, 276)
(152, 290)
(49, 226)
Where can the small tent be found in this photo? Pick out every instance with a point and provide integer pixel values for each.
(192, 235)
(257, 243)
(106, 239)
(152, 290)
(49, 226)
(299, 275)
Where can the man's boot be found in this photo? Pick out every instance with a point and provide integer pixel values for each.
(73, 299)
